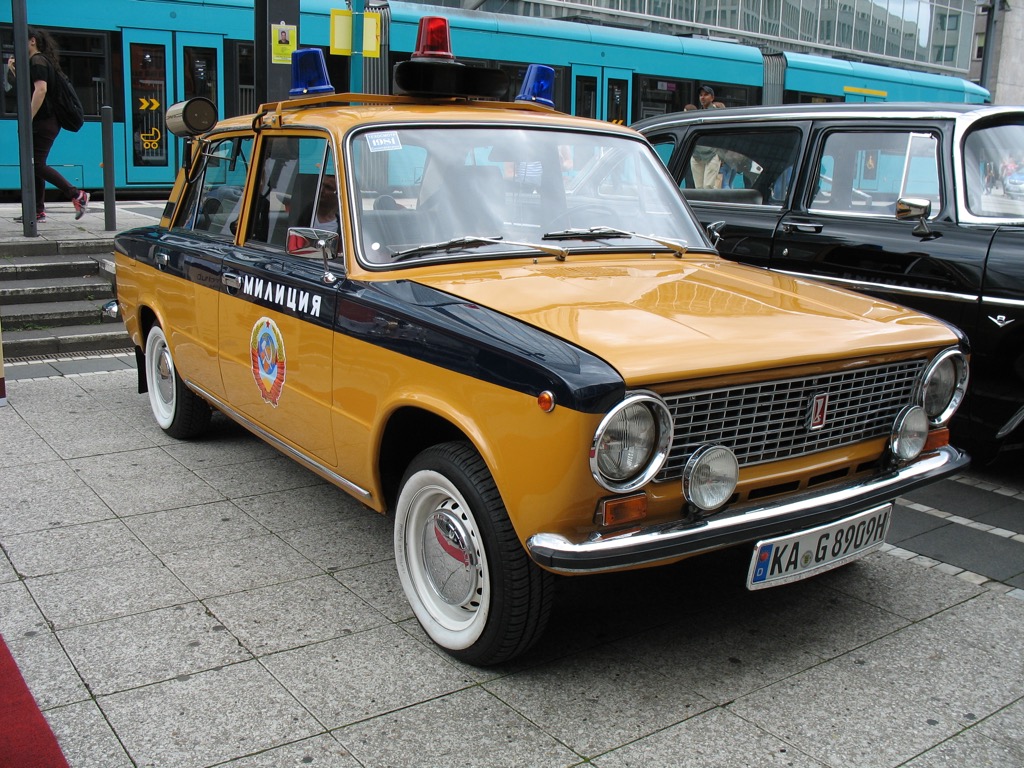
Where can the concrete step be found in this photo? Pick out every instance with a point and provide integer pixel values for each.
(27, 267)
(52, 314)
(39, 343)
(26, 290)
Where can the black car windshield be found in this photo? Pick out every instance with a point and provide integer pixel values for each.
(994, 171)
(501, 189)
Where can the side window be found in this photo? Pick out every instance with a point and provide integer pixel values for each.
(288, 180)
(741, 166)
(865, 172)
(213, 204)
(664, 145)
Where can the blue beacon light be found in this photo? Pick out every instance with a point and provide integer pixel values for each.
(538, 85)
(309, 74)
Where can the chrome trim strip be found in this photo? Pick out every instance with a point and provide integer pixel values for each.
(666, 541)
(861, 285)
(1011, 425)
(304, 460)
(1018, 303)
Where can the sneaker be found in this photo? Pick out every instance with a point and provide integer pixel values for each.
(39, 217)
(81, 204)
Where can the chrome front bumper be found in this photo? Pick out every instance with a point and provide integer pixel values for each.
(668, 541)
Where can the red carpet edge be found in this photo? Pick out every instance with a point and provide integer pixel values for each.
(26, 740)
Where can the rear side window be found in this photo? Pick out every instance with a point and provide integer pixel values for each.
(741, 166)
(865, 172)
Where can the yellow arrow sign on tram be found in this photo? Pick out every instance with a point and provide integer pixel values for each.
(150, 104)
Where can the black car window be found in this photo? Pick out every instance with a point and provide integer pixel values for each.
(287, 186)
(664, 144)
(865, 172)
(213, 203)
(741, 166)
(994, 170)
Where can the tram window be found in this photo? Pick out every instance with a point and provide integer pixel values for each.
(618, 101)
(83, 58)
(201, 73)
(586, 96)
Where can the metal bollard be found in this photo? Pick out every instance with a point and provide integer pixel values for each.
(109, 201)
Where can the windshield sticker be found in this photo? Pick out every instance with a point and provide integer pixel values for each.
(266, 347)
(383, 141)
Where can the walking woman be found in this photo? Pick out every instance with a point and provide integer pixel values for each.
(43, 68)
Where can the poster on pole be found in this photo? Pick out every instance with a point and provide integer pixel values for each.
(283, 42)
(341, 34)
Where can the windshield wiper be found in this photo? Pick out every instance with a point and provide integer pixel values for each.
(474, 241)
(601, 233)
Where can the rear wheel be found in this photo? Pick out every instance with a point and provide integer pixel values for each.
(177, 409)
(471, 584)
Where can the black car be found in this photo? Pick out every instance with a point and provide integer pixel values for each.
(902, 201)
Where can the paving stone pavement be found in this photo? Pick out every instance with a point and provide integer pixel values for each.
(211, 602)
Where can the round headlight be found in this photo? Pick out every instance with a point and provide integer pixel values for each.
(631, 444)
(943, 386)
(909, 433)
(710, 476)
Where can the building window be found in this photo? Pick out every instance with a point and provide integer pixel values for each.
(949, 22)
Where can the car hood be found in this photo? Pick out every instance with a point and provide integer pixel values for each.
(660, 320)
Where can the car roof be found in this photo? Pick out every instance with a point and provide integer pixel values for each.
(341, 112)
(833, 111)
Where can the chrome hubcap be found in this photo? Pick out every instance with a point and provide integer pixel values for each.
(449, 559)
(165, 372)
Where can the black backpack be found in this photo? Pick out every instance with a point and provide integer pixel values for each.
(66, 105)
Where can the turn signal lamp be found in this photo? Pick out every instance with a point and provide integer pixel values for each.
(627, 509)
(433, 39)
(309, 74)
(538, 85)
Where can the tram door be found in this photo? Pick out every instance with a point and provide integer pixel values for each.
(601, 92)
(161, 69)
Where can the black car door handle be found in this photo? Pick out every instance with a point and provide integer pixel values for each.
(810, 227)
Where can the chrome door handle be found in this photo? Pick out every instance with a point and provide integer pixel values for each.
(791, 227)
(231, 280)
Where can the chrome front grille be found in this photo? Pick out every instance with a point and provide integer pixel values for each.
(770, 421)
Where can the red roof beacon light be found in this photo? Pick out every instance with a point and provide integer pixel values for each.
(433, 39)
(433, 72)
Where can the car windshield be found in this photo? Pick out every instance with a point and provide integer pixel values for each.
(454, 192)
(994, 171)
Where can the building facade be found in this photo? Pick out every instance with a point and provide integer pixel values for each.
(942, 36)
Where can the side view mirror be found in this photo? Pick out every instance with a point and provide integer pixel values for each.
(714, 231)
(920, 208)
(306, 242)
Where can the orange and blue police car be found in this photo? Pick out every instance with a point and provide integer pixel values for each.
(503, 326)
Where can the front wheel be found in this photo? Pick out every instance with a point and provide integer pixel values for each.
(177, 409)
(472, 586)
